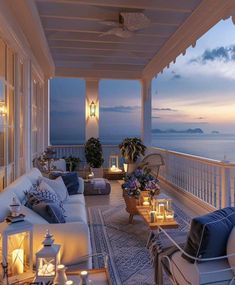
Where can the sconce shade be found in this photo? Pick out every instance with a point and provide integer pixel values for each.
(92, 109)
(3, 110)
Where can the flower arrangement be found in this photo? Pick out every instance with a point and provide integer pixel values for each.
(140, 180)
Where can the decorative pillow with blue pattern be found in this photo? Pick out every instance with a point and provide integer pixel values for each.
(42, 193)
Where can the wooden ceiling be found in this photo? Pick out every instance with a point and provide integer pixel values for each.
(73, 31)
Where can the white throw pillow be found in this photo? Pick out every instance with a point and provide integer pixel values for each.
(58, 186)
(231, 249)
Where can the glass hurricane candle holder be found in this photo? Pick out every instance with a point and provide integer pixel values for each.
(169, 215)
(146, 201)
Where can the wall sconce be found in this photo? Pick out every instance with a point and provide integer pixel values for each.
(3, 110)
(92, 109)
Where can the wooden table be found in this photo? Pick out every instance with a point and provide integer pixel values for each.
(157, 225)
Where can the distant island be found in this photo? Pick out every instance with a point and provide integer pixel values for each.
(172, 131)
(215, 132)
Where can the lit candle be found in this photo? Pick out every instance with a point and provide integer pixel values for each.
(146, 201)
(161, 208)
(169, 215)
(18, 261)
(69, 282)
(84, 276)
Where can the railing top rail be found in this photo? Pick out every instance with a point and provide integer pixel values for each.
(81, 146)
(197, 158)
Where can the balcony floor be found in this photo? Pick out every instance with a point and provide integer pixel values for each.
(115, 199)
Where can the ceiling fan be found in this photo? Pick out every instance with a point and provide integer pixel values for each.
(127, 25)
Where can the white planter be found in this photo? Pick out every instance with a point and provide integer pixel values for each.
(98, 172)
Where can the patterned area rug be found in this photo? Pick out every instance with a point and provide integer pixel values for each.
(129, 259)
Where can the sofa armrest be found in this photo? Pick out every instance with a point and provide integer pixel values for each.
(81, 185)
(74, 239)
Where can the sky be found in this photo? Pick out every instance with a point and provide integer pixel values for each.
(197, 91)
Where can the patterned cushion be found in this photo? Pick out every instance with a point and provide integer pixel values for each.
(50, 212)
(58, 186)
(42, 192)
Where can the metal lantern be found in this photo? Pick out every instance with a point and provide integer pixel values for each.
(16, 247)
(47, 259)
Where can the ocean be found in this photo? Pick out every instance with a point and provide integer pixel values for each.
(215, 146)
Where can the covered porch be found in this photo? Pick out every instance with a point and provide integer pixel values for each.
(41, 40)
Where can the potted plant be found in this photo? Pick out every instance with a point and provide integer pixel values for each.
(94, 156)
(72, 163)
(137, 185)
(131, 149)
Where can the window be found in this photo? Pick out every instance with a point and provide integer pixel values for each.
(67, 111)
(120, 114)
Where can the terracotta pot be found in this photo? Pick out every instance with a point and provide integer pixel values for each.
(131, 203)
(98, 172)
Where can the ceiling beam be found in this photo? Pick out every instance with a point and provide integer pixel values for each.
(207, 14)
(101, 53)
(183, 6)
(97, 74)
(102, 46)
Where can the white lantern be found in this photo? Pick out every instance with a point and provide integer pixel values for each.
(113, 161)
(16, 247)
(47, 259)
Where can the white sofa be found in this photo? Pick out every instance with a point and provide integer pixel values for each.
(73, 236)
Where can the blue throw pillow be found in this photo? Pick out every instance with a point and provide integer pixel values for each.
(209, 234)
(70, 180)
(50, 212)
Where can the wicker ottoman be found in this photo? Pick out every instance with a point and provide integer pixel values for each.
(97, 186)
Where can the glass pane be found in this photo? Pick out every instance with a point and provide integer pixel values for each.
(10, 67)
(2, 59)
(119, 110)
(18, 253)
(67, 111)
(46, 266)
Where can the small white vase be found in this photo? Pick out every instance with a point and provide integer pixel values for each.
(60, 278)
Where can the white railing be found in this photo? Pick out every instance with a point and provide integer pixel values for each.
(211, 181)
(78, 151)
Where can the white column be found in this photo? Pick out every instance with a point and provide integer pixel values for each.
(92, 95)
(28, 117)
(17, 118)
(46, 110)
(146, 111)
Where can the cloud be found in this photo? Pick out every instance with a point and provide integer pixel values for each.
(154, 117)
(176, 76)
(164, 109)
(200, 118)
(119, 109)
(224, 54)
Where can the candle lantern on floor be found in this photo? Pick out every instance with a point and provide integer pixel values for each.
(114, 163)
(16, 250)
(47, 259)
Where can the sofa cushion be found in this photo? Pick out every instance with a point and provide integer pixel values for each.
(209, 234)
(75, 213)
(51, 212)
(32, 217)
(42, 192)
(231, 249)
(79, 198)
(58, 186)
(70, 179)
(187, 273)
(33, 175)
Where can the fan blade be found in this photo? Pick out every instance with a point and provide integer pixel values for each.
(119, 32)
(135, 21)
(109, 23)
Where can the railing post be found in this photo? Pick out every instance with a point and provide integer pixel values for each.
(225, 185)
